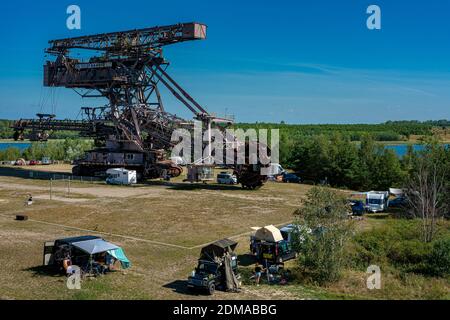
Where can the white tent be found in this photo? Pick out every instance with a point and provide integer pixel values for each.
(95, 246)
(268, 233)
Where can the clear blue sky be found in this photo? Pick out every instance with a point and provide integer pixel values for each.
(299, 61)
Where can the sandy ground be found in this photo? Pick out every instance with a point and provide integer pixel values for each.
(103, 191)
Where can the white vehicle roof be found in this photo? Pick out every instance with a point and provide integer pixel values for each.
(288, 228)
(375, 195)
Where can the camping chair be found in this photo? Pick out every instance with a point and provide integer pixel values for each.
(94, 268)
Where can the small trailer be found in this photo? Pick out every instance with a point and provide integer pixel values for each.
(121, 176)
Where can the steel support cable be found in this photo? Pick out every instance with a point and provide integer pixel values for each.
(183, 92)
(176, 94)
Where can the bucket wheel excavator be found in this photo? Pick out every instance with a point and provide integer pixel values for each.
(133, 130)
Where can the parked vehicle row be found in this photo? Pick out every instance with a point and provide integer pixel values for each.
(217, 266)
(376, 201)
(33, 162)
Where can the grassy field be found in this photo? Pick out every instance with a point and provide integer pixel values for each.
(161, 226)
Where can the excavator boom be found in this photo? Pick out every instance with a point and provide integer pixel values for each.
(132, 41)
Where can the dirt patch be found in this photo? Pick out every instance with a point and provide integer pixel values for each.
(58, 198)
(97, 191)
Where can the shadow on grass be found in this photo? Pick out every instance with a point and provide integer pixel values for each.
(28, 173)
(43, 271)
(378, 215)
(191, 186)
(246, 259)
(180, 286)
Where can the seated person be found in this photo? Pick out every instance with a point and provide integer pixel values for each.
(110, 261)
(102, 263)
(67, 265)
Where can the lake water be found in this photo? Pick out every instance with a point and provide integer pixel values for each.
(402, 149)
(18, 145)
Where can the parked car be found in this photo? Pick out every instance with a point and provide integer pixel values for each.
(272, 252)
(46, 161)
(268, 245)
(358, 207)
(291, 178)
(210, 271)
(292, 231)
(83, 251)
(226, 178)
(398, 202)
(33, 162)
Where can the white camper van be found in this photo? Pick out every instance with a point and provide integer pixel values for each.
(121, 176)
(377, 201)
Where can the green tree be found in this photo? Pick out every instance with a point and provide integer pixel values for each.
(387, 171)
(427, 187)
(342, 166)
(325, 229)
(10, 154)
(67, 150)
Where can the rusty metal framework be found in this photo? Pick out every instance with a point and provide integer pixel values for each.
(127, 69)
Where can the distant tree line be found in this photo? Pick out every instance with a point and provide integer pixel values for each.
(5, 131)
(388, 131)
(66, 150)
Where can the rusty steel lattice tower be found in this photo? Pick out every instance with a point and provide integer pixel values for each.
(133, 130)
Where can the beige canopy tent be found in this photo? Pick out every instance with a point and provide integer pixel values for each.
(268, 233)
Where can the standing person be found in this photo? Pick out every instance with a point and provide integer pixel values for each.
(258, 271)
(30, 200)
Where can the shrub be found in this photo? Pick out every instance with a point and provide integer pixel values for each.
(325, 230)
(398, 244)
(439, 258)
(410, 256)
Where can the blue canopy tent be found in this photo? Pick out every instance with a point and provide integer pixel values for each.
(120, 255)
(98, 245)
(95, 246)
